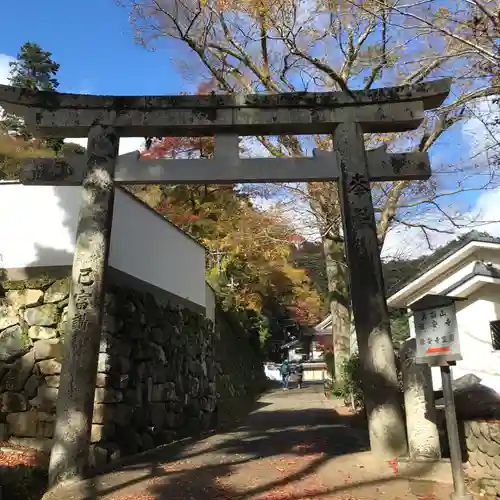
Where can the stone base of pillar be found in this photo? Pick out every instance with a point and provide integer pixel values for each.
(421, 425)
(438, 471)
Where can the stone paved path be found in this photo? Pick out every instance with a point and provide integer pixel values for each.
(294, 446)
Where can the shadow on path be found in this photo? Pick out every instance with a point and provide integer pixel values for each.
(295, 446)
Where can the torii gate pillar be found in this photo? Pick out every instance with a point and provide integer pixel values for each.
(75, 399)
(371, 317)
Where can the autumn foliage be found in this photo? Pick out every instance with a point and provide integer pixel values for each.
(249, 250)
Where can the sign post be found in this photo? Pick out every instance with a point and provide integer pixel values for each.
(438, 344)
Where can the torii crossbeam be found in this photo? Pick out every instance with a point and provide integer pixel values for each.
(104, 119)
(226, 167)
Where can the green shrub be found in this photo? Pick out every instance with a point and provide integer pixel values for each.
(348, 386)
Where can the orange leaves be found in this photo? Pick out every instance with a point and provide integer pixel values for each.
(179, 147)
(12, 456)
(394, 465)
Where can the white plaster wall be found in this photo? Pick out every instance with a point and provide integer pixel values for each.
(488, 255)
(473, 319)
(210, 302)
(37, 225)
(146, 246)
(38, 228)
(436, 280)
(446, 279)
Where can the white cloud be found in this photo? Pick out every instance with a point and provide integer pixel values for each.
(482, 136)
(483, 143)
(411, 242)
(5, 68)
(127, 144)
(4, 73)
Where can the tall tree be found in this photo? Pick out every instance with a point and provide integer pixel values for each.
(33, 69)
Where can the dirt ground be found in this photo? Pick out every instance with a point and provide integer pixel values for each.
(293, 446)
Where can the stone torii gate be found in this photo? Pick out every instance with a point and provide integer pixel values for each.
(104, 119)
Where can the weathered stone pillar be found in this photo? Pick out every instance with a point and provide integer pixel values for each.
(75, 402)
(380, 387)
(423, 435)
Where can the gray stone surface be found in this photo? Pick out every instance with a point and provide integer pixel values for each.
(31, 386)
(171, 367)
(483, 453)
(380, 384)
(47, 349)
(57, 292)
(103, 380)
(98, 456)
(24, 298)
(42, 332)
(46, 399)
(101, 432)
(103, 413)
(19, 372)
(106, 363)
(45, 429)
(8, 317)
(49, 367)
(23, 424)
(303, 113)
(421, 422)
(52, 380)
(12, 343)
(107, 395)
(476, 402)
(45, 315)
(11, 402)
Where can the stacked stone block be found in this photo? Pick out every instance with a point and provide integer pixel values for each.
(159, 375)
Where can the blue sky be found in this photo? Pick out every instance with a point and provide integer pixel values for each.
(92, 41)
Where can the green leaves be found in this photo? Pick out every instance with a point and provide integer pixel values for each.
(34, 69)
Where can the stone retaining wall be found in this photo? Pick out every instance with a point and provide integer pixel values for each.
(32, 321)
(482, 439)
(160, 369)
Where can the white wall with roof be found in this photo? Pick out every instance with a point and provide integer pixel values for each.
(474, 314)
(38, 228)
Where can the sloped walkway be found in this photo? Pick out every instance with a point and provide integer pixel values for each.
(294, 446)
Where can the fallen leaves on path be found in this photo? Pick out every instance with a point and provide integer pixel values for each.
(394, 464)
(11, 456)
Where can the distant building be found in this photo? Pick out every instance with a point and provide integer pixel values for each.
(323, 336)
(315, 370)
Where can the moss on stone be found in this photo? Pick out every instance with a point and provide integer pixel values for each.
(42, 282)
(25, 338)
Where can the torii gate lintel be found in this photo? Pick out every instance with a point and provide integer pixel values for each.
(392, 109)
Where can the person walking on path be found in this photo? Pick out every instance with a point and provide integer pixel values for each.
(285, 373)
(300, 375)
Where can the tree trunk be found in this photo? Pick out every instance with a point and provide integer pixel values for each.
(339, 302)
